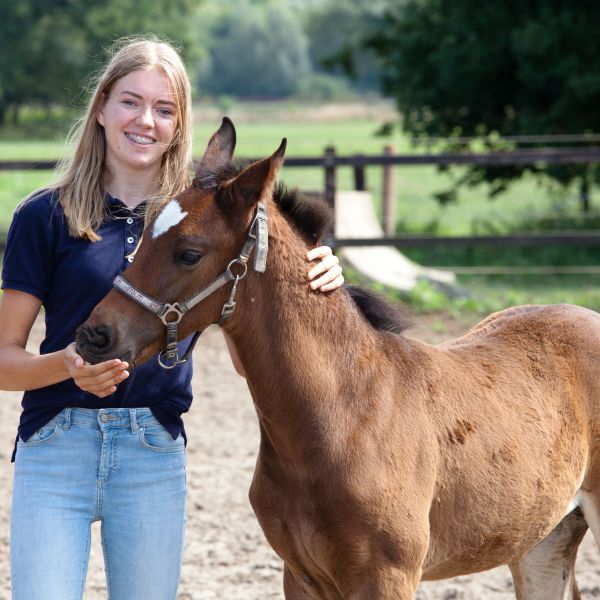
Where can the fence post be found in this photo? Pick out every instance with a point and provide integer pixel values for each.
(388, 208)
(330, 176)
(330, 190)
(359, 173)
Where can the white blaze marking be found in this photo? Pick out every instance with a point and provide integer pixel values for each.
(169, 217)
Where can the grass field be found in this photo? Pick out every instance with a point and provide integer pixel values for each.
(352, 128)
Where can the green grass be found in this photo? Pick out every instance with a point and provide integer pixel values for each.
(260, 128)
(484, 295)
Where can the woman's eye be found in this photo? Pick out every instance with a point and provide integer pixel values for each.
(189, 257)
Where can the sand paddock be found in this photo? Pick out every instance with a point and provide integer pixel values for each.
(226, 556)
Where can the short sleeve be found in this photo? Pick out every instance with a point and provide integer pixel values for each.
(28, 256)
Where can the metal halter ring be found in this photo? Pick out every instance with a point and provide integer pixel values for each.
(169, 365)
(241, 263)
(171, 308)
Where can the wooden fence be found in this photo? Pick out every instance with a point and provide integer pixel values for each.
(331, 161)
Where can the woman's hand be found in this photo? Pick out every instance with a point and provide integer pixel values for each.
(101, 379)
(328, 269)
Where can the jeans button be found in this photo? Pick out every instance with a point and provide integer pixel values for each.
(104, 418)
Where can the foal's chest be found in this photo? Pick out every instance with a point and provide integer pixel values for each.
(292, 528)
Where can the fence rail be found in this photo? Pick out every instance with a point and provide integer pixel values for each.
(575, 238)
(331, 161)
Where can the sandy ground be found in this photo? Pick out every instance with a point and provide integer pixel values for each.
(226, 555)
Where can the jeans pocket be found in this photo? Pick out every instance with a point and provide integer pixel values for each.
(44, 435)
(158, 439)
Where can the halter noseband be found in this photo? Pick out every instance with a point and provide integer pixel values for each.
(171, 314)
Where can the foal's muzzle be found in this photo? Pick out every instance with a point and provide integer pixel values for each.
(94, 343)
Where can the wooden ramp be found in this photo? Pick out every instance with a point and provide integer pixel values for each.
(356, 218)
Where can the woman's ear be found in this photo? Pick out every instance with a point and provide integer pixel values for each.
(100, 111)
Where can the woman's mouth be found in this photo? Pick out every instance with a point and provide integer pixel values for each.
(140, 139)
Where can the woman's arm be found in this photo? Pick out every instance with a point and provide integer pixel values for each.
(235, 357)
(22, 370)
(330, 279)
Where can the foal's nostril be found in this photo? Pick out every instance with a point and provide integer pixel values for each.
(98, 337)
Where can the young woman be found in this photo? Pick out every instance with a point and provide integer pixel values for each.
(98, 442)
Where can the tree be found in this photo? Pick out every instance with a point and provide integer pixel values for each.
(257, 49)
(48, 48)
(466, 68)
(335, 30)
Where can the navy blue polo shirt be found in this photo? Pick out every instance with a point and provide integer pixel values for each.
(70, 276)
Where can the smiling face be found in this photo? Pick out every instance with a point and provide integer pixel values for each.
(139, 117)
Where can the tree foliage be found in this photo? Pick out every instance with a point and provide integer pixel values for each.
(47, 49)
(467, 68)
(335, 30)
(257, 49)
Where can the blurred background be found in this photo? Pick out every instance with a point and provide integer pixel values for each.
(426, 78)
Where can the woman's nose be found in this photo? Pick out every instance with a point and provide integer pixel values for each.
(145, 117)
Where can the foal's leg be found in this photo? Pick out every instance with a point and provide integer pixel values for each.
(591, 511)
(292, 590)
(393, 585)
(547, 572)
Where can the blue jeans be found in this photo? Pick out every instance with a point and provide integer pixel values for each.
(119, 466)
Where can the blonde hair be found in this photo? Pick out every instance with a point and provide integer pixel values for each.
(81, 176)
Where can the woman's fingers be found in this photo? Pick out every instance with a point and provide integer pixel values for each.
(326, 275)
(100, 379)
(71, 356)
(109, 377)
(334, 284)
(326, 280)
(319, 252)
(326, 263)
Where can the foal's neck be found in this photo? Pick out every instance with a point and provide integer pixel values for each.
(299, 348)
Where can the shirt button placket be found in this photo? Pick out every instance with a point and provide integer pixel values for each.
(130, 240)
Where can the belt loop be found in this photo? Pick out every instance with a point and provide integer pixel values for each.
(132, 416)
(67, 423)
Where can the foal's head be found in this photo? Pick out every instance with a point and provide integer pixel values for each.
(187, 245)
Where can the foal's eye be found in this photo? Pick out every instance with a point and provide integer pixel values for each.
(189, 257)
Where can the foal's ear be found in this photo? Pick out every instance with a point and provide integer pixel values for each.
(254, 183)
(219, 150)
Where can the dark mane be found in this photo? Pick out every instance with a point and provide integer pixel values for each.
(312, 218)
(378, 312)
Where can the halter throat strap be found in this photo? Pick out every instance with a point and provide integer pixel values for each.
(171, 314)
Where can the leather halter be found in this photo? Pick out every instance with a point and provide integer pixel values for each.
(171, 314)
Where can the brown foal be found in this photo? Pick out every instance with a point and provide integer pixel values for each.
(383, 460)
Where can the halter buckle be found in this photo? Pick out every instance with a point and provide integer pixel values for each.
(167, 309)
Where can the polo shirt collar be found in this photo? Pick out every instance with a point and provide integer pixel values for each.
(117, 207)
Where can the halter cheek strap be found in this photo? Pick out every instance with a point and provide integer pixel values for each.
(171, 314)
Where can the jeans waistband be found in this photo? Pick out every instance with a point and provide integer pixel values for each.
(107, 418)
